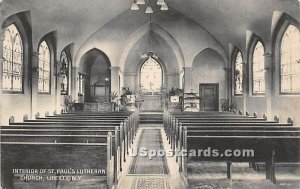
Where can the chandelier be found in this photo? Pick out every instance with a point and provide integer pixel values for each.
(149, 10)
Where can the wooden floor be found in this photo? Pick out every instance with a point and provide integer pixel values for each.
(213, 175)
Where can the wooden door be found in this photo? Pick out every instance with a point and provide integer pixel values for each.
(209, 97)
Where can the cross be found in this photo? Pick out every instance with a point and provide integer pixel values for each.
(151, 84)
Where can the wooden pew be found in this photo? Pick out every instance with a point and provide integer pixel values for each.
(222, 120)
(171, 122)
(67, 136)
(70, 130)
(126, 134)
(88, 116)
(50, 138)
(228, 126)
(129, 127)
(176, 140)
(216, 115)
(51, 155)
(65, 122)
(74, 121)
(56, 131)
(268, 149)
(249, 132)
(97, 113)
(172, 127)
(204, 113)
(130, 123)
(82, 118)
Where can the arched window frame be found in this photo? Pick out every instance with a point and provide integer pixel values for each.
(44, 69)
(238, 75)
(65, 66)
(260, 77)
(292, 66)
(154, 57)
(17, 74)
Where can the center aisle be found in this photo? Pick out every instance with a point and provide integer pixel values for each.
(143, 172)
(150, 139)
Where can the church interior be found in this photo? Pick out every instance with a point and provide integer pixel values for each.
(85, 83)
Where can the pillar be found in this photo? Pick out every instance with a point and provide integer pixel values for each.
(245, 84)
(269, 69)
(115, 79)
(1, 60)
(1, 56)
(59, 101)
(188, 80)
(34, 83)
(171, 80)
(228, 83)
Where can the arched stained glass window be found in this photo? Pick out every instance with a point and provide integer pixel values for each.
(44, 68)
(258, 69)
(238, 74)
(64, 73)
(12, 60)
(151, 76)
(290, 61)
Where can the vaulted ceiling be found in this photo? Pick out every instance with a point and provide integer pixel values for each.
(76, 20)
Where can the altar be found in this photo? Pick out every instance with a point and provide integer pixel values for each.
(152, 103)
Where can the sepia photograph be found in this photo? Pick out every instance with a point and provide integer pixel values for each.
(150, 94)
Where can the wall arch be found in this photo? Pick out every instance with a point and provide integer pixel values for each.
(94, 51)
(50, 40)
(22, 21)
(96, 65)
(250, 52)
(208, 67)
(165, 56)
(152, 27)
(283, 23)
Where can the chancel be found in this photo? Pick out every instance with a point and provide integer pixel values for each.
(149, 94)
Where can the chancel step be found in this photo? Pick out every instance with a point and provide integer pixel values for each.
(151, 118)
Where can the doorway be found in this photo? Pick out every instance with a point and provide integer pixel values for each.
(209, 97)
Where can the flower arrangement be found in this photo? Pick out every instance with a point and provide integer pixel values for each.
(69, 103)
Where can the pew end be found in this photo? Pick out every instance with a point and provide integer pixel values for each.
(25, 117)
(37, 115)
(265, 116)
(290, 120)
(240, 112)
(11, 119)
(247, 113)
(47, 114)
(276, 119)
(109, 160)
(255, 114)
